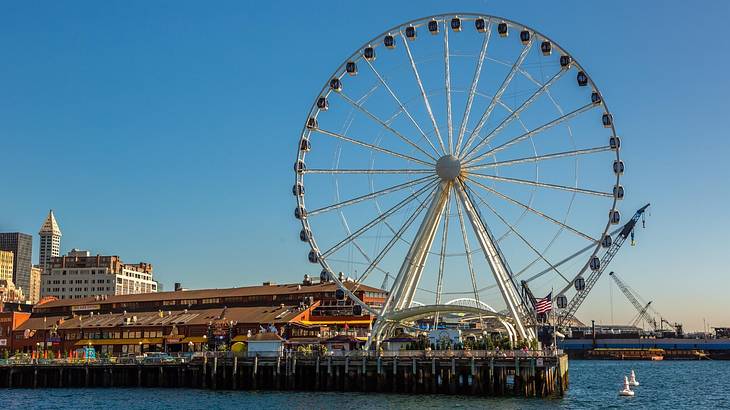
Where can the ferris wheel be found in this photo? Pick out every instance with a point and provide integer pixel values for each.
(452, 157)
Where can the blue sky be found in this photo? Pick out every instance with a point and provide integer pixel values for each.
(166, 131)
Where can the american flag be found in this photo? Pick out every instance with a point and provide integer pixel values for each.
(544, 305)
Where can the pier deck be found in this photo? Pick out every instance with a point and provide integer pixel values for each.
(528, 376)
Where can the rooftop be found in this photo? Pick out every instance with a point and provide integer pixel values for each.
(262, 290)
(50, 225)
(254, 315)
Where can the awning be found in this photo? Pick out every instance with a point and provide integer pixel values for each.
(195, 339)
(106, 342)
(240, 338)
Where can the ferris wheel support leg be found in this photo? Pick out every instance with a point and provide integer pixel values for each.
(498, 266)
(511, 334)
(409, 275)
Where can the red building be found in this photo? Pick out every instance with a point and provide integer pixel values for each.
(195, 319)
(10, 321)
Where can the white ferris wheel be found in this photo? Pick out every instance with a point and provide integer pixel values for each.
(454, 156)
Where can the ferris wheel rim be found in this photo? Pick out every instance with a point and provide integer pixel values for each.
(356, 56)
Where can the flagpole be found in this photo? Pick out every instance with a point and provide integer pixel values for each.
(555, 334)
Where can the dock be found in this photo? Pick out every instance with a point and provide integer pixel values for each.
(524, 375)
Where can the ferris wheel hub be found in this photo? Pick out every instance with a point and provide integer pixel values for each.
(448, 167)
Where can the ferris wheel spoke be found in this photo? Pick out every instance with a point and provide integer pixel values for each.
(474, 83)
(512, 228)
(405, 111)
(384, 124)
(497, 97)
(447, 84)
(542, 184)
(373, 147)
(531, 133)
(397, 235)
(515, 114)
(537, 158)
(442, 255)
(533, 210)
(426, 102)
(467, 247)
(377, 220)
(395, 188)
(368, 171)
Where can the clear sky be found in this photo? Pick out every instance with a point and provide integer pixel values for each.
(165, 131)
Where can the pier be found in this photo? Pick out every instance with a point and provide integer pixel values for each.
(524, 375)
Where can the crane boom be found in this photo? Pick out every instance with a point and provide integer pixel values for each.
(625, 290)
(593, 277)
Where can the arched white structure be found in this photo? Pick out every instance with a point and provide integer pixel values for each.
(470, 302)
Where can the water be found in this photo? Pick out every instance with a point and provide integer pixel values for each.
(594, 384)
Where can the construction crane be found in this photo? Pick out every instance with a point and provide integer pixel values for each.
(584, 286)
(676, 327)
(634, 301)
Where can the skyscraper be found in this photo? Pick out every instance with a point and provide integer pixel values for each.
(21, 245)
(50, 235)
(6, 265)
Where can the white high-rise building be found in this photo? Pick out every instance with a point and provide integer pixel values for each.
(50, 235)
(80, 275)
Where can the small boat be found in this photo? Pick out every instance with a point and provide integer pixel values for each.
(632, 379)
(627, 389)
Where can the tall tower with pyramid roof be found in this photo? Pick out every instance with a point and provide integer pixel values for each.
(50, 235)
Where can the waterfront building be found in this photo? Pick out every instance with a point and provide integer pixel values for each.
(34, 292)
(10, 319)
(198, 319)
(79, 275)
(50, 246)
(21, 244)
(6, 265)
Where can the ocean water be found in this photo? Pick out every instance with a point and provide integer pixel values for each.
(593, 384)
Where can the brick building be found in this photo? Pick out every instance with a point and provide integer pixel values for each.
(195, 319)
